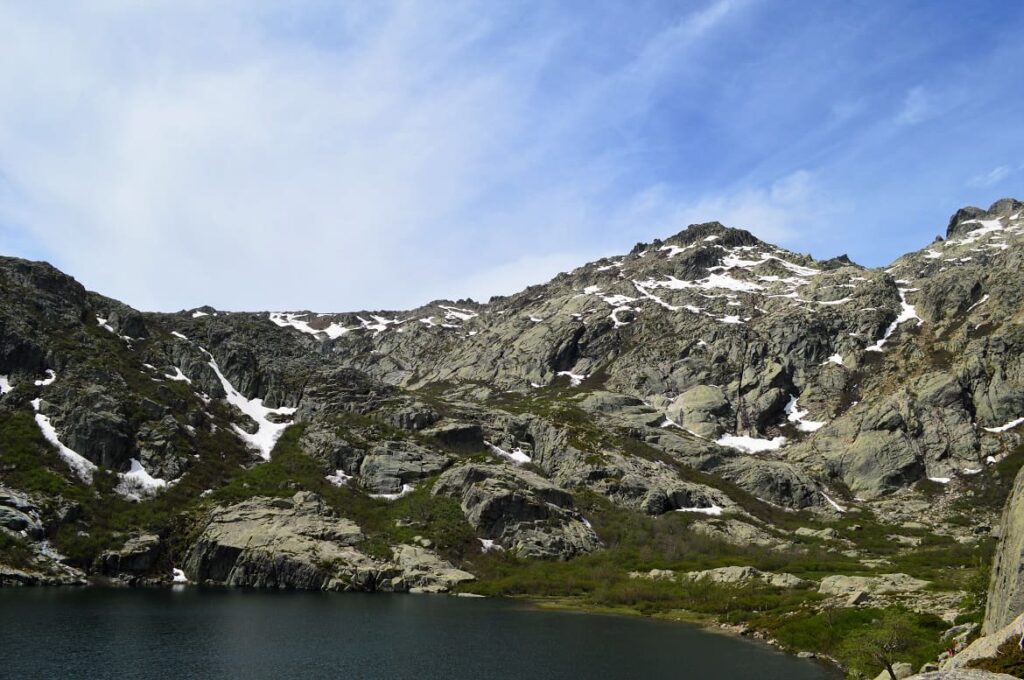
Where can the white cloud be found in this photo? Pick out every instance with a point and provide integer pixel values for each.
(993, 176)
(918, 106)
(777, 212)
(263, 155)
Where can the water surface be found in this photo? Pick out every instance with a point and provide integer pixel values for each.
(220, 633)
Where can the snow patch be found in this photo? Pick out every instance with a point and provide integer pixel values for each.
(516, 455)
(836, 359)
(574, 378)
(797, 416)
(835, 506)
(179, 335)
(5, 384)
(48, 380)
(488, 545)
(907, 313)
(178, 376)
(751, 444)
(178, 576)
(714, 510)
(406, 490)
(197, 314)
(980, 302)
(81, 465)
(339, 478)
(137, 484)
(268, 432)
(940, 480)
(1008, 426)
(335, 330)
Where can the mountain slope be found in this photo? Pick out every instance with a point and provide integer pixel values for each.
(758, 391)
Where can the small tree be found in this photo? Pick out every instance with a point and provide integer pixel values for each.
(879, 645)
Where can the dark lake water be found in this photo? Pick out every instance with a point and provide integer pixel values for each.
(211, 633)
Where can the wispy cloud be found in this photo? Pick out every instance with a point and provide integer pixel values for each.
(993, 176)
(311, 154)
(918, 106)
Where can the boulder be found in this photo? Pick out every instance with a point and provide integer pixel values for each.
(900, 669)
(747, 575)
(391, 465)
(885, 584)
(519, 510)
(703, 410)
(137, 556)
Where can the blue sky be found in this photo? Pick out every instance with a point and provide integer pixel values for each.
(333, 156)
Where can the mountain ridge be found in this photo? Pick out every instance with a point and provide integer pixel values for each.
(746, 390)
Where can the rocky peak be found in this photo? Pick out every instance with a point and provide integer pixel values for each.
(970, 218)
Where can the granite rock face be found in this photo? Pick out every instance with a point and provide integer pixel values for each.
(1006, 590)
(300, 543)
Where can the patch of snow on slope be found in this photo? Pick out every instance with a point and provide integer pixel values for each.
(714, 510)
(335, 330)
(178, 576)
(178, 376)
(980, 302)
(654, 298)
(675, 250)
(615, 319)
(516, 455)
(268, 432)
(488, 545)
(751, 444)
(339, 478)
(836, 359)
(940, 480)
(103, 324)
(797, 416)
(406, 490)
(831, 502)
(81, 465)
(907, 313)
(197, 314)
(5, 384)
(137, 484)
(724, 281)
(1008, 426)
(179, 335)
(377, 324)
(48, 380)
(574, 378)
(456, 313)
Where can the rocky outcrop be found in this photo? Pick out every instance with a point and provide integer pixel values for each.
(301, 543)
(519, 511)
(1006, 589)
(748, 575)
(884, 584)
(137, 556)
(391, 465)
(987, 646)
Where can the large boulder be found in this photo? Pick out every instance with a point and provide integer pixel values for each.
(519, 511)
(391, 465)
(702, 410)
(883, 584)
